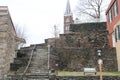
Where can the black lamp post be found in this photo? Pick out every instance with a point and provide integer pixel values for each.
(56, 68)
(100, 62)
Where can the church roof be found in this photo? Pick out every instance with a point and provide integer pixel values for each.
(68, 9)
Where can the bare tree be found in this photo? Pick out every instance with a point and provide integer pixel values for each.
(21, 33)
(56, 34)
(56, 31)
(92, 8)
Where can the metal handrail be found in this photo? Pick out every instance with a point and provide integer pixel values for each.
(29, 62)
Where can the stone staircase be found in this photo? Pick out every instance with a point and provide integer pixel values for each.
(38, 68)
(39, 63)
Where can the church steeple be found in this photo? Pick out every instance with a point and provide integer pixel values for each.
(68, 9)
(68, 18)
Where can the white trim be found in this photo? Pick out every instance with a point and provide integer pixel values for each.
(113, 39)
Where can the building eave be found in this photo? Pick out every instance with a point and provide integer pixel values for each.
(110, 5)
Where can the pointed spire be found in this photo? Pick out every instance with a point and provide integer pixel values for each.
(68, 9)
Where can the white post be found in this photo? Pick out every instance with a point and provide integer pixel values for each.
(100, 65)
(100, 62)
(48, 57)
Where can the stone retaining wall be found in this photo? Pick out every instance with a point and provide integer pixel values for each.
(78, 49)
(65, 78)
(76, 59)
(87, 78)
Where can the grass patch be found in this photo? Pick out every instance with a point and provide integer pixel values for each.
(116, 73)
(67, 73)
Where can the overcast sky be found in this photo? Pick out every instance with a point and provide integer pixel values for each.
(38, 16)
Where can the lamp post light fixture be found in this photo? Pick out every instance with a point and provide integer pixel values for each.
(100, 62)
(99, 51)
(56, 65)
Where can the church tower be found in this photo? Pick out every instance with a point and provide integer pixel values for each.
(68, 18)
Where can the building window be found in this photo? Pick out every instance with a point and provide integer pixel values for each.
(115, 8)
(67, 28)
(110, 15)
(117, 33)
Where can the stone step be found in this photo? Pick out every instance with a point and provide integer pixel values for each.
(39, 68)
(36, 66)
(41, 53)
(33, 70)
(39, 71)
(40, 58)
(38, 77)
(40, 63)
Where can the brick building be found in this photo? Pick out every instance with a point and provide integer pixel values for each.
(113, 26)
(8, 41)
